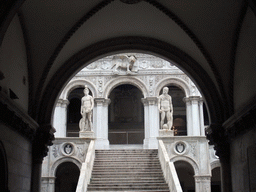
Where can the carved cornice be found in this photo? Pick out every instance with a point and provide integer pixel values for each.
(16, 118)
(242, 121)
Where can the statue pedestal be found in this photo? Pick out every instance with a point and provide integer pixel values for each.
(166, 133)
(86, 134)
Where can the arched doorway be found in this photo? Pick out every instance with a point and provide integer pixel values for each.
(185, 174)
(126, 115)
(67, 175)
(179, 109)
(216, 180)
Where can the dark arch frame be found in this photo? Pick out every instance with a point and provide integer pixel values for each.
(126, 44)
(3, 169)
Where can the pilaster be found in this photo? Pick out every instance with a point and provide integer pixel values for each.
(60, 118)
(203, 183)
(201, 116)
(151, 122)
(100, 122)
(192, 110)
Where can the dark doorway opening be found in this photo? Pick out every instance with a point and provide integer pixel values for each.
(185, 174)
(215, 180)
(126, 116)
(67, 175)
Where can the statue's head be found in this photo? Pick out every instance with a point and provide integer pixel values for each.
(165, 90)
(86, 90)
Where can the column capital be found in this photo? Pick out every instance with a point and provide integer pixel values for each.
(43, 138)
(149, 100)
(102, 101)
(62, 103)
(200, 178)
(192, 99)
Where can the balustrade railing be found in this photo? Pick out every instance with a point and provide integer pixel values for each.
(168, 169)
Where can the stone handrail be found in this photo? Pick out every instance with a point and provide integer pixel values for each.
(168, 168)
(86, 169)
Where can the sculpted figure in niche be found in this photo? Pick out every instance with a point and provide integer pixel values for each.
(87, 104)
(166, 109)
(123, 62)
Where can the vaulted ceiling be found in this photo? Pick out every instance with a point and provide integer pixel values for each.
(60, 33)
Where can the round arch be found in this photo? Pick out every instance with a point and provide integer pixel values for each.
(77, 84)
(215, 164)
(189, 161)
(63, 160)
(173, 81)
(124, 80)
(126, 44)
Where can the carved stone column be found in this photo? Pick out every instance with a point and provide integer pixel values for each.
(151, 122)
(216, 134)
(43, 139)
(48, 184)
(192, 110)
(100, 122)
(203, 183)
(60, 118)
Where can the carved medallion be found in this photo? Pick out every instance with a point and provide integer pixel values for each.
(180, 147)
(68, 148)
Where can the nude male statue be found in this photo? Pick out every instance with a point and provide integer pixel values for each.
(87, 104)
(165, 108)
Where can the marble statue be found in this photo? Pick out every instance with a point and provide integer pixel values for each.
(87, 104)
(123, 61)
(166, 109)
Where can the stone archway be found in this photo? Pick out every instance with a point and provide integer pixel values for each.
(185, 174)
(67, 175)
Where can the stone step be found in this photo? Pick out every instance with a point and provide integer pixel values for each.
(127, 181)
(146, 160)
(106, 188)
(126, 150)
(121, 163)
(127, 187)
(127, 170)
(157, 190)
(127, 156)
(123, 178)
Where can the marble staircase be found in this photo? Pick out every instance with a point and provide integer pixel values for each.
(127, 170)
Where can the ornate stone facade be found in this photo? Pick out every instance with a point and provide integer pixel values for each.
(149, 74)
